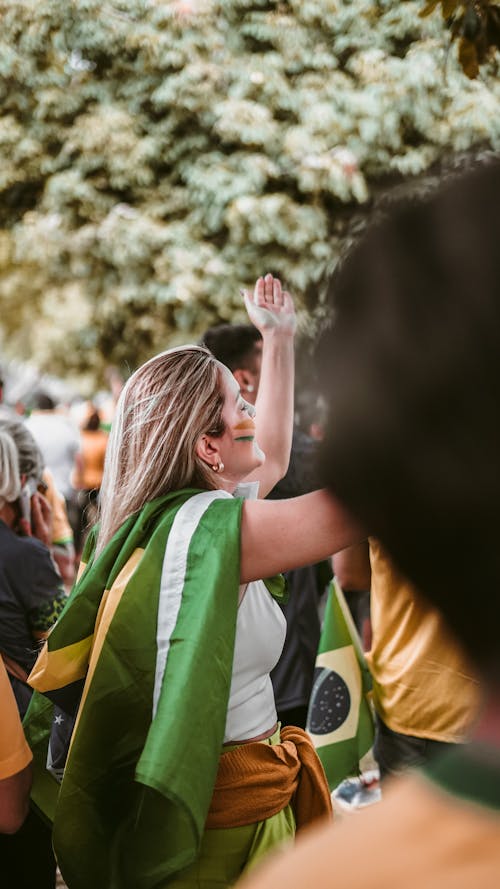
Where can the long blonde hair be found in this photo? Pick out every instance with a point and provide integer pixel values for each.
(10, 482)
(165, 406)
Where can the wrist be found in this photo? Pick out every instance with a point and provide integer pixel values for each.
(270, 334)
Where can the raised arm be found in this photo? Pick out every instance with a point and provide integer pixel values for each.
(272, 311)
(278, 535)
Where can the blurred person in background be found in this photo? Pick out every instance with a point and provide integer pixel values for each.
(106, 401)
(412, 449)
(31, 599)
(32, 467)
(58, 438)
(87, 476)
(62, 546)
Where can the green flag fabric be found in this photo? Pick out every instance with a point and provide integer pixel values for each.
(340, 719)
(148, 634)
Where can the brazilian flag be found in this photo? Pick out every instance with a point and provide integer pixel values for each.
(340, 719)
(141, 658)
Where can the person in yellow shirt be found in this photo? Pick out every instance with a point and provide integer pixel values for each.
(425, 691)
(15, 761)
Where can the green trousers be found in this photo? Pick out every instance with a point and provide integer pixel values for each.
(225, 854)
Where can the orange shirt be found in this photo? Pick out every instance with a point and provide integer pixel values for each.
(15, 754)
(93, 451)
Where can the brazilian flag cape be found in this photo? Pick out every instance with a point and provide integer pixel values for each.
(148, 635)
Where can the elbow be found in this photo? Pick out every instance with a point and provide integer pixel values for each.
(12, 821)
(14, 800)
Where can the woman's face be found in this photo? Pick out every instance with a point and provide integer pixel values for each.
(239, 450)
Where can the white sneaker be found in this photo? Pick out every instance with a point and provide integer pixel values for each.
(356, 793)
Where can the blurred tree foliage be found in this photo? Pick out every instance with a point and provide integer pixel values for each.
(475, 25)
(157, 156)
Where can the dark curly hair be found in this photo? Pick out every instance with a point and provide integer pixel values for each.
(411, 368)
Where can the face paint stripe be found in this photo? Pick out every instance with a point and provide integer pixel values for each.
(245, 424)
(245, 438)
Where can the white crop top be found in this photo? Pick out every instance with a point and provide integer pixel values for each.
(260, 636)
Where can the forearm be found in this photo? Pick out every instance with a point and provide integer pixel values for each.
(351, 567)
(274, 403)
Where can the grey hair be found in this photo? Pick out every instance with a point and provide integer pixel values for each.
(164, 408)
(10, 481)
(30, 456)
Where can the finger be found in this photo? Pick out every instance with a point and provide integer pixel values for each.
(258, 293)
(37, 518)
(277, 292)
(268, 288)
(45, 506)
(37, 504)
(24, 527)
(36, 509)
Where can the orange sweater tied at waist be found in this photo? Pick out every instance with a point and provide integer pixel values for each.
(256, 780)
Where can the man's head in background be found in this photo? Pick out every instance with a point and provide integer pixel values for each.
(239, 347)
(411, 371)
(42, 401)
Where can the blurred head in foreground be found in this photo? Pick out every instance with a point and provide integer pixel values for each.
(411, 369)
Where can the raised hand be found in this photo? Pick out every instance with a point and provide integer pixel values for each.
(270, 307)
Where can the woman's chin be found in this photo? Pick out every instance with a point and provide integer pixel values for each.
(259, 455)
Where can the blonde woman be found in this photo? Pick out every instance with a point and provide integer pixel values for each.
(177, 772)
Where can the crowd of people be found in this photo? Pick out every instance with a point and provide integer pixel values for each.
(177, 659)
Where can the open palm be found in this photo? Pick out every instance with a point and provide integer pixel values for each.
(270, 306)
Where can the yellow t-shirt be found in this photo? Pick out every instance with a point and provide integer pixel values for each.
(423, 685)
(15, 754)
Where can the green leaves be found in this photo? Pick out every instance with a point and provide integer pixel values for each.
(158, 156)
(475, 25)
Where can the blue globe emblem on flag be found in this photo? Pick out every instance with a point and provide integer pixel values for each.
(335, 697)
(331, 703)
(339, 719)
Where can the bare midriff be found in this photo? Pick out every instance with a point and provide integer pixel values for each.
(261, 737)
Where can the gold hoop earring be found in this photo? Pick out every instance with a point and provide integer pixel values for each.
(218, 467)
